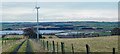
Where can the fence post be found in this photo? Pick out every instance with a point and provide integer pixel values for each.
(40, 41)
(72, 48)
(87, 49)
(50, 48)
(5, 41)
(47, 46)
(57, 47)
(113, 50)
(62, 48)
(2, 41)
(53, 46)
(43, 44)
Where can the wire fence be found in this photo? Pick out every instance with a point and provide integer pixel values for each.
(52, 46)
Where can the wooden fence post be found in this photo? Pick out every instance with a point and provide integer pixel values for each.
(53, 46)
(47, 46)
(50, 47)
(43, 44)
(5, 41)
(57, 47)
(40, 41)
(2, 41)
(62, 48)
(113, 50)
(87, 49)
(72, 48)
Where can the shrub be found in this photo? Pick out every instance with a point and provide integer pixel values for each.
(50, 37)
(43, 37)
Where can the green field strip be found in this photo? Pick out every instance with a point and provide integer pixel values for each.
(14, 47)
(23, 47)
(29, 47)
(26, 47)
(10, 44)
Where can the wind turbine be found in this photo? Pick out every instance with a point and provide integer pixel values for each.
(37, 8)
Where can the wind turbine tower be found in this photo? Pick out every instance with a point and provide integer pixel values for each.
(37, 8)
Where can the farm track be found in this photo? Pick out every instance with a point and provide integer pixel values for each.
(17, 48)
(37, 47)
(28, 48)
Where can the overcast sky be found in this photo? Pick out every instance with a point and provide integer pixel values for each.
(60, 0)
(60, 11)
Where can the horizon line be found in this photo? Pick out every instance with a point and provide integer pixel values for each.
(60, 21)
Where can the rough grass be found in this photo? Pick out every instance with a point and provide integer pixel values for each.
(0, 43)
(0, 46)
(36, 47)
(97, 44)
(11, 44)
(14, 36)
(11, 39)
(11, 47)
(31, 45)
(23, 47)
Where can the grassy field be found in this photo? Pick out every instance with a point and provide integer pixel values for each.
(15, 43)
(23, 47)
(36, 47)
(10, 47)
(10, 42)
(0, 46)
(14, 36)
(97, 44)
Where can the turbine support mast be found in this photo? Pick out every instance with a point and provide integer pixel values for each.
(37, 8)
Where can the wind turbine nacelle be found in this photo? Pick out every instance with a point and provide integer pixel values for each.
(37, 7)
